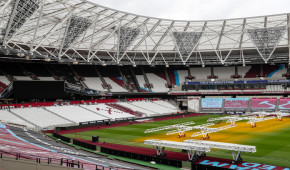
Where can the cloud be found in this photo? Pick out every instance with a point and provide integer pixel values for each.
(199, 9)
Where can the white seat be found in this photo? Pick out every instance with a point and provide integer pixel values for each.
(75, 113)
(40, 117)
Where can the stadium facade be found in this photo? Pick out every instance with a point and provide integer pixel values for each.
(70, 68)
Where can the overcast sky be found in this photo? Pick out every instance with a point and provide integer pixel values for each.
(199, 9)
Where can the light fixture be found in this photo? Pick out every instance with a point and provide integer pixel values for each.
(75, 61)
(104, 64)
(47, 59)
(20, 54)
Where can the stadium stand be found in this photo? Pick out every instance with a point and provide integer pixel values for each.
(224, 72)
(94, 83)
(113, 65)
(200, 73)
(22, 78)
(75, 113)
(182, 74)
(125, 109)
(4, 81)
(46, 78)
(154, 107)
(149, 108)
(115, 86)
(41, 117)
(284, 104)
(107, 111)
(142, 83)
(264, 103)
(138, 109)
(159, 84)
(8, 117)
(166, 104)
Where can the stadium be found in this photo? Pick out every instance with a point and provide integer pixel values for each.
(84, 86)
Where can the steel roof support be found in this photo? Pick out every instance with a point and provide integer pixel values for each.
(221, 35)
(5, 5)
(54, 29)
(241, 42)
(288, 36)
(147, 35)
(22, 12)
(266, 40)
(164, 35)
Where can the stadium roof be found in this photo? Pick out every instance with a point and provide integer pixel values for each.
(79, 31)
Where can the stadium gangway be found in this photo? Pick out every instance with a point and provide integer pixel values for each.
(194, 151)
(168, 127)
(226, 146)
(188, 128)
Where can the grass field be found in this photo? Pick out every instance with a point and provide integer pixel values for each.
(272, 138)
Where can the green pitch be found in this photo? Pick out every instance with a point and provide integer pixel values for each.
(273, 147)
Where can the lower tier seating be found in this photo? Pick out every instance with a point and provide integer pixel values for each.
(107, 111)
(75, 113)
(8, 117)
(41, 117)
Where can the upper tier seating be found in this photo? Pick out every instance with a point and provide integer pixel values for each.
(46, 78)
(224, 72)
(115, 87)
(40, 117)
(158, 83)
(94, 83)
(278, 74)
(9, 117)
(141, 81)
(22, 78)
(182, 74)
(201, 72)
(4, 80)
(243, 70)
(75, 113)
(107, 111)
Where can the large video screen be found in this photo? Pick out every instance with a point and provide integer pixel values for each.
(284, 104)
(263, 103)
(38, 89)
(236, 103)
(211, 103)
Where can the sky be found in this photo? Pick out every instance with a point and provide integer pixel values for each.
(199, 9)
